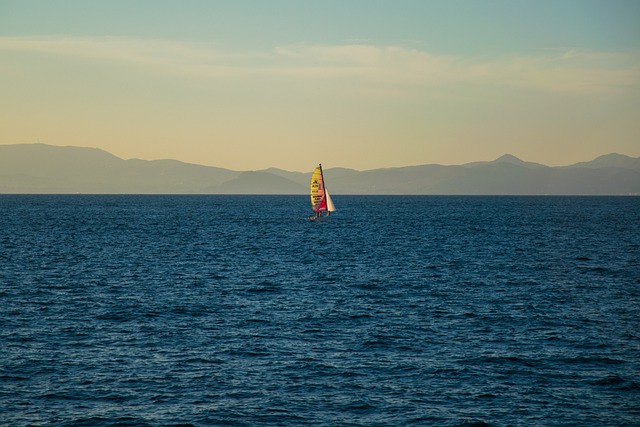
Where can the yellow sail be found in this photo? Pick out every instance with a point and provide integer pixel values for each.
(318, 201)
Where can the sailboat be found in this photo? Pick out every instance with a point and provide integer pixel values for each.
(320, 198)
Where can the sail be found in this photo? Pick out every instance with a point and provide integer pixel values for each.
(330, 207)
(318, 200)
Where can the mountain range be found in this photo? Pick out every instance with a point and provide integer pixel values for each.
(41, 168)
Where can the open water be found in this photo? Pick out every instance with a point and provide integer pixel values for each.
(396, 311)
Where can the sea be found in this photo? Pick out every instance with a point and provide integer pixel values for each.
(212, 310)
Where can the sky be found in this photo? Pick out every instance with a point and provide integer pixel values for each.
(248, 85)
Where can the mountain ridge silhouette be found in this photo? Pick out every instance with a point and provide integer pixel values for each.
(48, 169)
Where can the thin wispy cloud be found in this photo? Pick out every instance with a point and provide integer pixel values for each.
(551, 70)
(572, 71)
(157, 55)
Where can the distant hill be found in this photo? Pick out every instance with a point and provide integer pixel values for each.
(610, 161)
(259, 183)
(40, 168)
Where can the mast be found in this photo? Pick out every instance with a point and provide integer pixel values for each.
(324, 188)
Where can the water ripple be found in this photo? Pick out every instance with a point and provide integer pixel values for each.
(215, 310)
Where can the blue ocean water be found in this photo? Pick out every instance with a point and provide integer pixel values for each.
(395, 311)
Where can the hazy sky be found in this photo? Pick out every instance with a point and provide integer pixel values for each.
(248, 85)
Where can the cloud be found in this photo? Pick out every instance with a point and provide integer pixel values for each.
(378, 64)
(558, 71)
(367, 64)
(157, 55)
